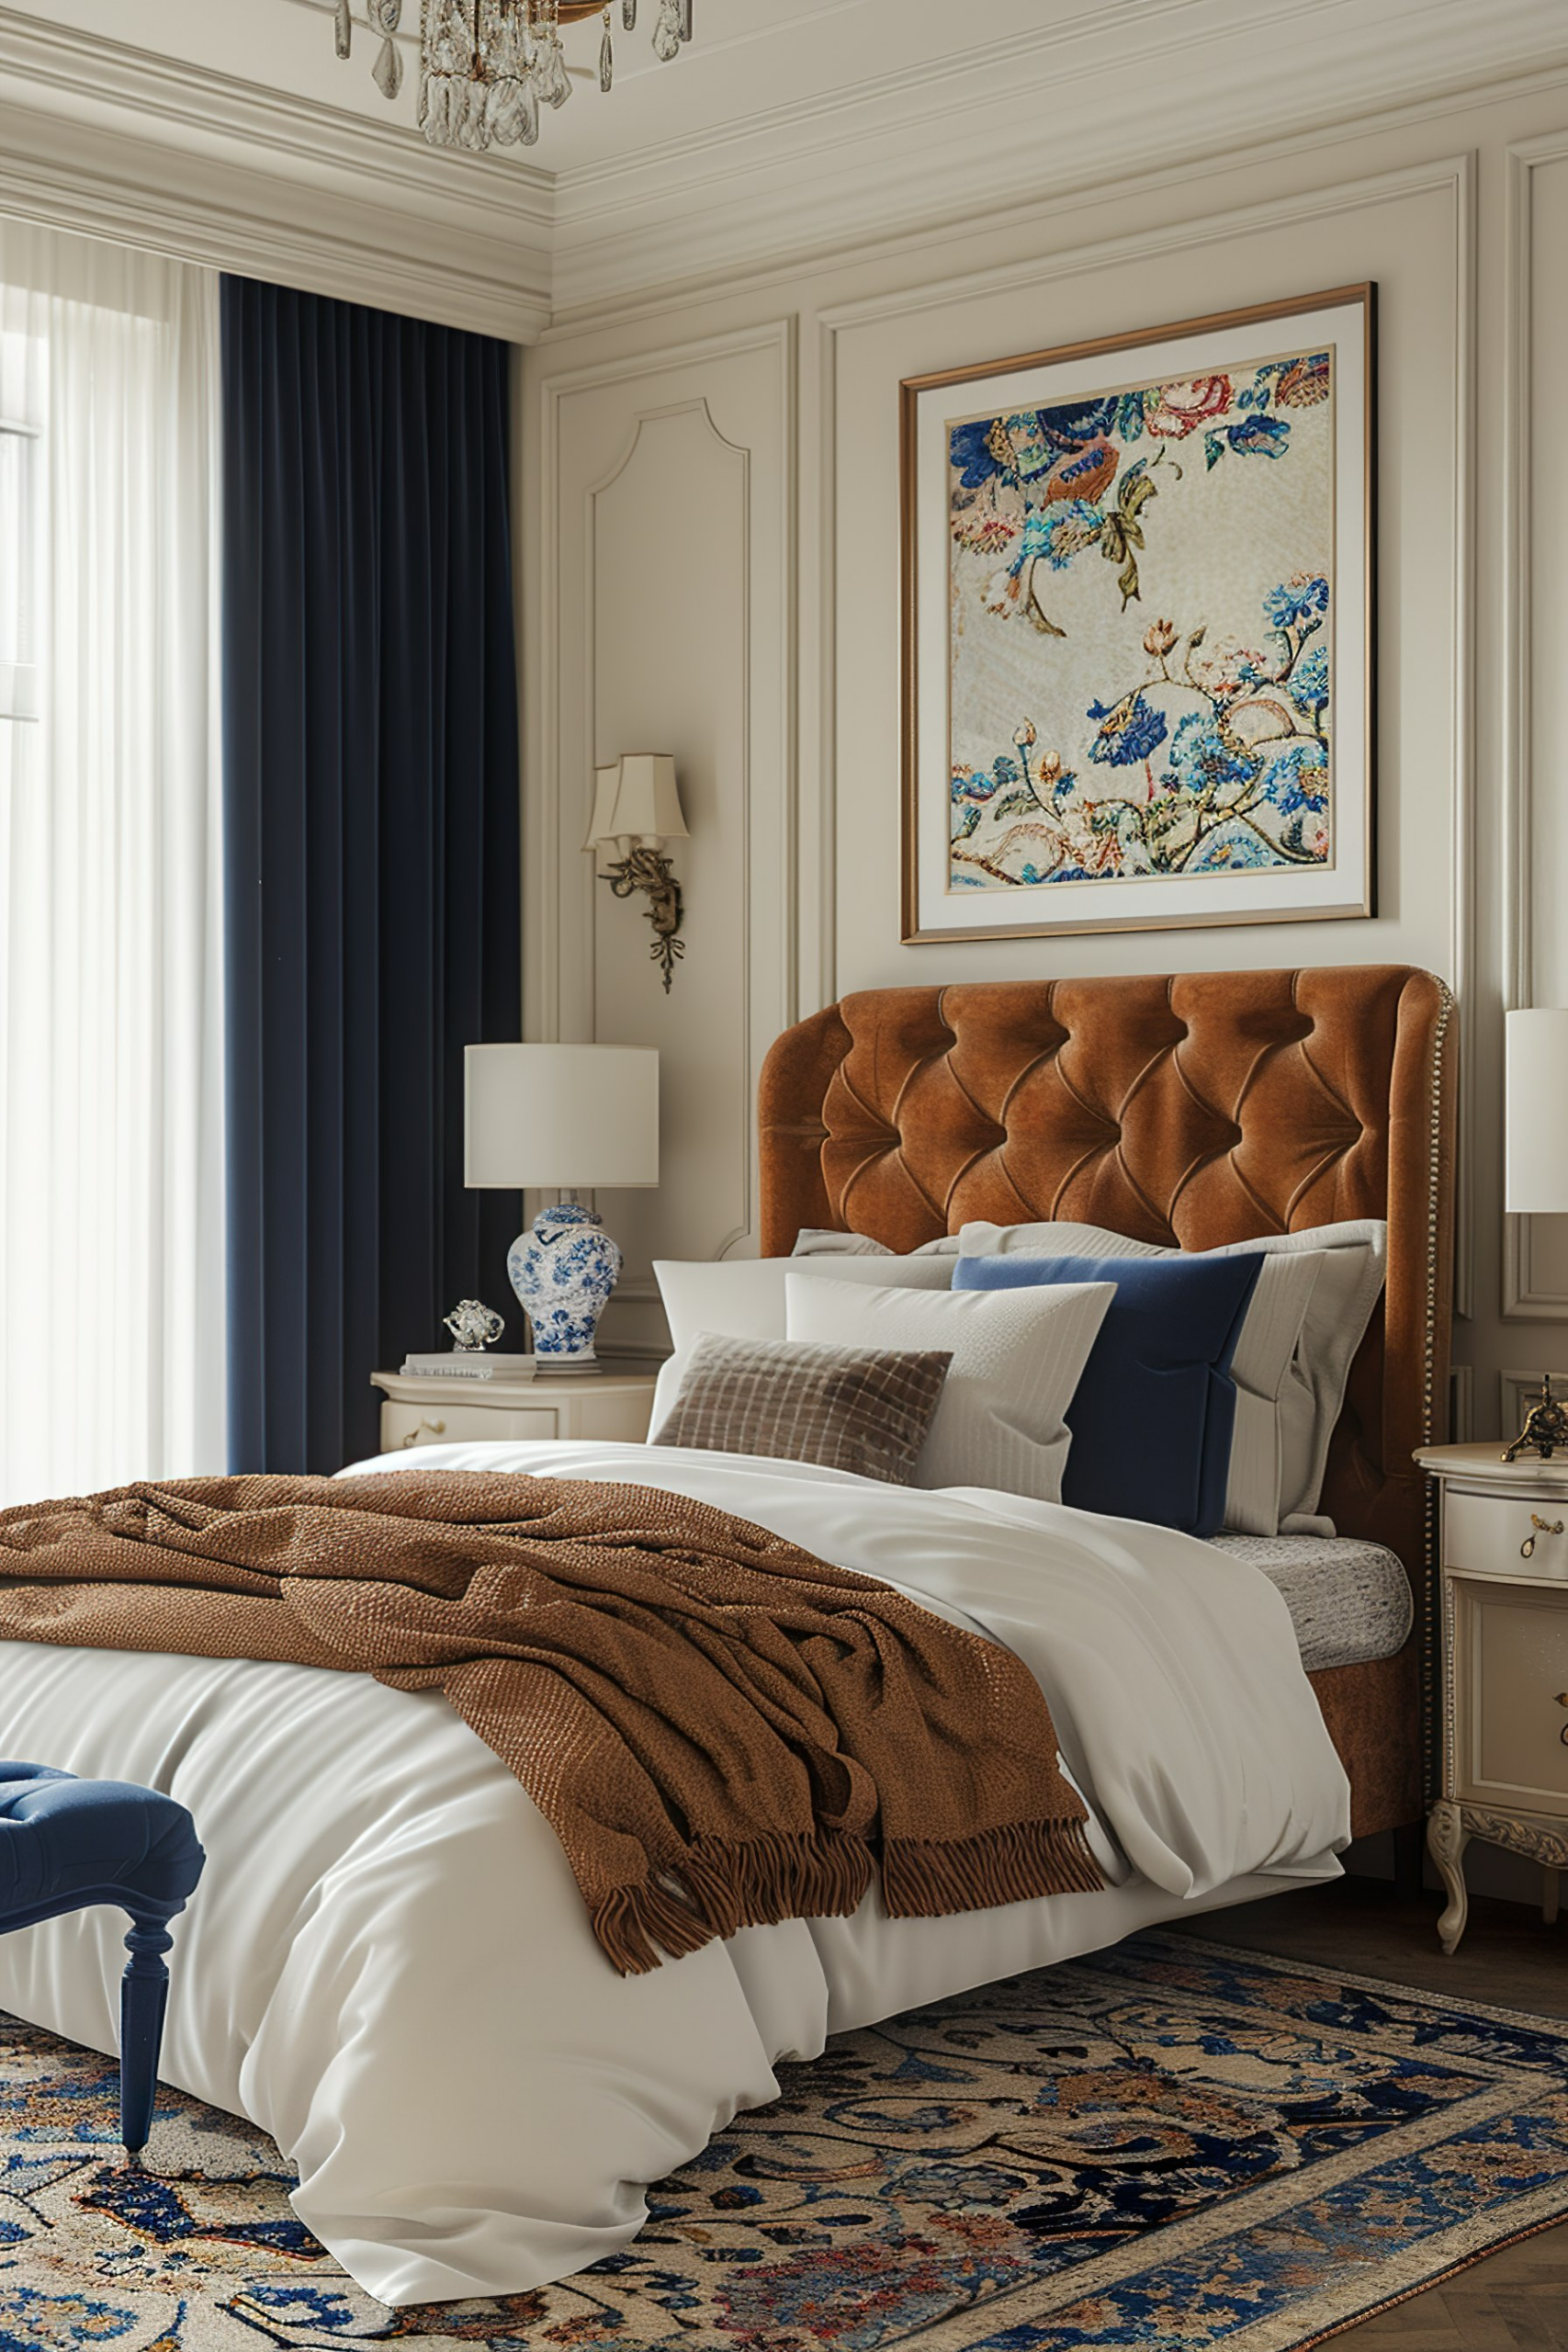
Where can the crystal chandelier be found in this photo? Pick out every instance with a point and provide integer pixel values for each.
(488, 66)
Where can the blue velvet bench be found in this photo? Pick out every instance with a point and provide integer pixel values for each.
(67, 1844)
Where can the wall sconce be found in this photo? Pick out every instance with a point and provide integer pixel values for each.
(637, 808)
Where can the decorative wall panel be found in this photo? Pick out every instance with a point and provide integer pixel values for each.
(1536, 515)
(668, 626)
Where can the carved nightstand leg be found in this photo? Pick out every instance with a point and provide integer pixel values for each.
(1447, 1839)
(1550, 1896)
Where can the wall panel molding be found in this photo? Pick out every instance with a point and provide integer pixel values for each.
(892, 168)
(1518, 1390)
(545, 904)
(1529, 1294)
(1179, 235)
(636, 455)
(609, 1009)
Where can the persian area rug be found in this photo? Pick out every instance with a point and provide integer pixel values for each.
(1171, 2144)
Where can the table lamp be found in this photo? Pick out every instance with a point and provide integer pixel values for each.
(558, 1118)
(1535, 1094)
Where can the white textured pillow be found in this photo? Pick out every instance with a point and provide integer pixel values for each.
(1018, 1356)
(743, 1298)
(1354, 1256)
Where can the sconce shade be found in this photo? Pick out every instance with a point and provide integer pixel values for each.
(1535, 1118)
(638, 797)
(565, 1119)
(606, 784)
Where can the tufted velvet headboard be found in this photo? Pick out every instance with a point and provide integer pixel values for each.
(1195, 1110)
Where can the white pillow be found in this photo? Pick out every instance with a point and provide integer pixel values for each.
(1018, 1356)
(743, 1298)
(822, 1241)
(1346, 1290)
(1275, 1412)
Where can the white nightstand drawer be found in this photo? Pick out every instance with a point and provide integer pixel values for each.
(610, 1407)
(1511, 1647)
(443, 1424)
(1486, 1534)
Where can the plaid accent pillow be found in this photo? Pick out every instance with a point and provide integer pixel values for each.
(846, 1409)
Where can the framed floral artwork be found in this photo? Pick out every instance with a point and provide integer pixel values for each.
(1138, 629)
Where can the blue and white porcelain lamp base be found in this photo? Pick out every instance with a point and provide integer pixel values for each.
(563, 1269)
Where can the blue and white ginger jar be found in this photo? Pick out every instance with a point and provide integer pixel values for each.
(563, 1271)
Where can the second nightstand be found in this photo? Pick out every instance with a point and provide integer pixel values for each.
(1504, 1559)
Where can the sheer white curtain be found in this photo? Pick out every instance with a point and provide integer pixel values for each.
(111, 1240)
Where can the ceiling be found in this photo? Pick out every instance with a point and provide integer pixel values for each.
(749, 57)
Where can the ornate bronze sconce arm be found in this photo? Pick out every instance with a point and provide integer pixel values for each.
(650, 871)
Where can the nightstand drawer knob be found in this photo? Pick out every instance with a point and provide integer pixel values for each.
(439, 1428)
(1541, 1527)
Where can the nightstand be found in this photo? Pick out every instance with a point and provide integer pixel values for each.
(1503, 1554)
(613, 1406)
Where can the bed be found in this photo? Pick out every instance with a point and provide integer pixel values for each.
(1194, 1111)
(389, 1966)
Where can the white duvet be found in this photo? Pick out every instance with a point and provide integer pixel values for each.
(388, 1965)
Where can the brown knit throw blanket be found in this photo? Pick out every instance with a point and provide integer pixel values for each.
(720, 1729)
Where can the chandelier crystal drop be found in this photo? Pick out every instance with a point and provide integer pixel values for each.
(489, 67)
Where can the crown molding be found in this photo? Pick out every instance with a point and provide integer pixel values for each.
(987, 73)
(108, 141)
(896, 162)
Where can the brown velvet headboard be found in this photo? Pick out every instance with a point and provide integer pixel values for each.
(1197, 1110)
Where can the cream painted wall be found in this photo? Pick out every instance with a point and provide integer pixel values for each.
(1460, 216)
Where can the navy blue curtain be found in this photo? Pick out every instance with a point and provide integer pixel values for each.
(371, 850)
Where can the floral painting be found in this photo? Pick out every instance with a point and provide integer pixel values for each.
(1153, 610)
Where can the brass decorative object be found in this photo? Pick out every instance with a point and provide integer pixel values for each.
(1545, 1428)
(650, 870)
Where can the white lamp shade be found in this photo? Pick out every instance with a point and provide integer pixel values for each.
(606, 784)
(638, 797)
(562, 1118)
(1536, 1098)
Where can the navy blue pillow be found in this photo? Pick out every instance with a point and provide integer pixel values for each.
(1155, 1412)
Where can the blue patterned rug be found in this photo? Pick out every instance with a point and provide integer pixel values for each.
(1171, 2144)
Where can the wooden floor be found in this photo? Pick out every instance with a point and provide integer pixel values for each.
(1512, 2302)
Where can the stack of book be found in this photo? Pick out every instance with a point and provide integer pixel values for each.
(452, 1364)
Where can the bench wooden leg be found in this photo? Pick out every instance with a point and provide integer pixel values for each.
(143, 1998)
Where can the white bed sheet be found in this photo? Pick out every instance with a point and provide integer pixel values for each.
(388, 1965)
